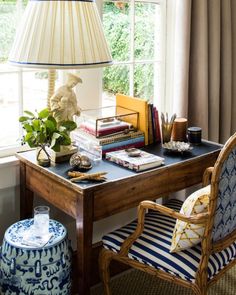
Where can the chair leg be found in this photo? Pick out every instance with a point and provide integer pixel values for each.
(201, 289)
(105, 258)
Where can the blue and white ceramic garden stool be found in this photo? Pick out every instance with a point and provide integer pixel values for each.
(27, 270)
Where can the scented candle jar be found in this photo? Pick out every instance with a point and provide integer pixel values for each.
(195, 135)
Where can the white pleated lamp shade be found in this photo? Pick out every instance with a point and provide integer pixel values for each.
(60, 34)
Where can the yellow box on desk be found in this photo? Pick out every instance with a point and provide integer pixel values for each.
(136, 104)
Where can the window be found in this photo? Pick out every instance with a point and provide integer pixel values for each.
(20, 89)
(134, 31)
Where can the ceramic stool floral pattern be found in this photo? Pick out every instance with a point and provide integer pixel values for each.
(27, 270)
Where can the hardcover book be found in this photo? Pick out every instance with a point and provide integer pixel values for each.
(157, 125)
(86, 141)
(139, 105)
(142, 162)
(103, 130)
(151, 134)
(134, 143)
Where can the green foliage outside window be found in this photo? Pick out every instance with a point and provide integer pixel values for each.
(7, 25)
(8, 21)
(116, 23)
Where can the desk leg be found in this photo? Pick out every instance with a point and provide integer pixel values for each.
(26, 196)
(84, 228)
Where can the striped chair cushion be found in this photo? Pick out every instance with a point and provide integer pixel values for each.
(153, 247)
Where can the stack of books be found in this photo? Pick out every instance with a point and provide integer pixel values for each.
(111, 137)
(133, 123)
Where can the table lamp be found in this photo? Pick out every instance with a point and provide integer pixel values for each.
(60, 35)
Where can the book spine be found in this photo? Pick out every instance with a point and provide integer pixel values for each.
(81, 135)
(123, 142)
(146, 116)
(157, 123)
(103, 132)
(153, 125)
(121, 137)
(150, 129)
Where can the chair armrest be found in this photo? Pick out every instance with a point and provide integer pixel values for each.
(124, 249)
(207, 176)
(196, 219)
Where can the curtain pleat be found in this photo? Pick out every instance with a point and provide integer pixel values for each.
(211, 91)
(181, 59)
(198, 72)
(226, 71)
(214, 69)
(233, 22)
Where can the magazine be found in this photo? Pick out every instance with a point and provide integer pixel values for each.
(141, 161)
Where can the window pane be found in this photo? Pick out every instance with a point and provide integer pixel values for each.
(158, 81)
(35, 90)
(116, 23)
(143, 81)
(8, 19)
(146, 30)
(116, 79)
(9, 110)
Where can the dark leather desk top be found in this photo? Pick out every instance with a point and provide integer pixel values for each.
(116, 172)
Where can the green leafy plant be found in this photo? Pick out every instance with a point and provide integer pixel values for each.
(42, 130)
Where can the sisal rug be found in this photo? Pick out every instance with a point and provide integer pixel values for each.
(134, 282)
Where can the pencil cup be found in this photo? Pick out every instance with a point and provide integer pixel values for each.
(166, 129)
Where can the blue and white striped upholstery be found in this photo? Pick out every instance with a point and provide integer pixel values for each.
(225, 216)
(152, 247)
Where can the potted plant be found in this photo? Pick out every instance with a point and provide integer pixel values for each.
(43, 132)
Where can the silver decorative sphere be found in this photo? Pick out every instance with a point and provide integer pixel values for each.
(80, 162)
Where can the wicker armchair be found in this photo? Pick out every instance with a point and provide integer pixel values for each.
(145, 243)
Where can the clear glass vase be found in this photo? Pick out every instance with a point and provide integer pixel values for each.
(43, 157)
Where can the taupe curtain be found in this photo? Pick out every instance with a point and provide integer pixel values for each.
(208, 56)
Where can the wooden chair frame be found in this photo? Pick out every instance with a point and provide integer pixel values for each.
(201, 284)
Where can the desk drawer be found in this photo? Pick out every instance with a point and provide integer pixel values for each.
(128, 193)
(51, 190)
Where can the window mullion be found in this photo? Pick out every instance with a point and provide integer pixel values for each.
(20, 96)
(19, 10)
(132, 27)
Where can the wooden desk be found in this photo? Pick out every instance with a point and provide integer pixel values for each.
(124, 189)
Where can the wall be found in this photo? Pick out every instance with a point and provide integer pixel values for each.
(9, 193)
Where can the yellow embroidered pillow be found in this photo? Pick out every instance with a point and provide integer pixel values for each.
(185, 234)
